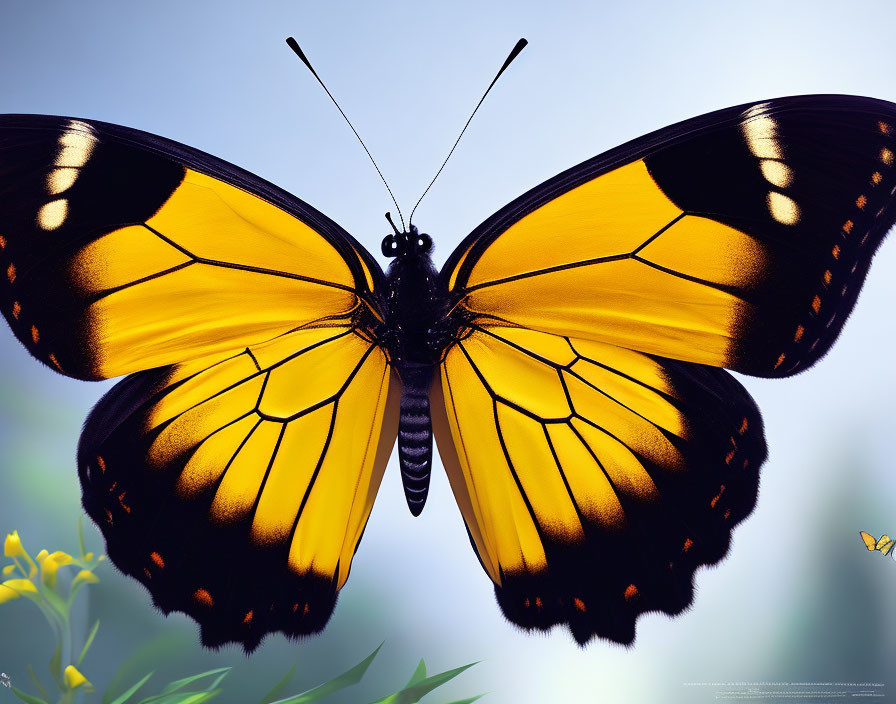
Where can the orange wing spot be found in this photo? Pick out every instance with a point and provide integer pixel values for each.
(727, 513)
(730, 456)
(631, 591)
(306, 609)
(780, 360)
(155, 557)
(112, 488)
(11, 272)
(861, 202)
(527, 603)
(828, 276)
(876, 178)
(35, 335)
(746, 462)
(579, 604)
(295, 607)
(816, 304)
(797, 336)
(55, 362)
(715, 500)
(744, 425)
(203, 597)
(101, 463)
(2, 242)
(847, 226)
(247, 619)
(835, 251)
(538, 602)
(688, 544)
(147, 573)
(122, 503)
(109, 518)
(883, 127)
(886, 156)
(16, 309)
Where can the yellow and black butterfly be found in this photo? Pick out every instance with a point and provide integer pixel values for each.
(569, 356)
(884, 544)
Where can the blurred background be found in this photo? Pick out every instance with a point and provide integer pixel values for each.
(797, 599)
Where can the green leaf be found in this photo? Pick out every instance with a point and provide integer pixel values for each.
(413, 693)
(181, 697)
(278, 688)
(346, 679)
(40, 687)
(145, 658)
(468, 701)
(130, 692)
(419, 674)
(56, 663)
(180, 684)
(88, 643)
(28, 698)
(56, 602)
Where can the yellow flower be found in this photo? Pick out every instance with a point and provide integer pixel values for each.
(41, 556)
(7, 594)
(61, 558)
(48, 569)
(74, 679)
(50, 564)
(12, 547)
(85, 576)
(8, 570)
(17, 587)
(88, 557)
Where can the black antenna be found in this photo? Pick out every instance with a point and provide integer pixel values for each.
(389, 218)
(520, 45)
(294, 45)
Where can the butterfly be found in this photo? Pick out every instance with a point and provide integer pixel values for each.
(569, 357)
(884, 544)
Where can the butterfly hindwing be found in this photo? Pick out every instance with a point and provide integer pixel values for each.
(237, 489)
(123, 251)
(737, 239)
(593, 480)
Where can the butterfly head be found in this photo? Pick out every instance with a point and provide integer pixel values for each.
(403, 244)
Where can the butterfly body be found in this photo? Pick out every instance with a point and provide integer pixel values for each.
(414, 333)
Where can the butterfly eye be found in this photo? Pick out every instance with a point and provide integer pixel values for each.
(389, 246)
(424, 242)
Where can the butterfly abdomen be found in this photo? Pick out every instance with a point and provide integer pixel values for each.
(415, 434)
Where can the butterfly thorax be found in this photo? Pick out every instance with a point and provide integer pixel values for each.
(411, 334)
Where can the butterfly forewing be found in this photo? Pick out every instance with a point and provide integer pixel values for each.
(121, 251)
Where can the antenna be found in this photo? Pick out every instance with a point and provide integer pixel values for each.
(294, 45)
(518, 47)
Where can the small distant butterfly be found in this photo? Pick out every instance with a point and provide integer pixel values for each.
(884, 544)
(569, 356)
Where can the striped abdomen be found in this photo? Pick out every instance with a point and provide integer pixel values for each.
(415, 434)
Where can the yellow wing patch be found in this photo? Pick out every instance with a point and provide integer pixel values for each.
(635, 271)
(214, 270)
(292, 446)
(884, 544)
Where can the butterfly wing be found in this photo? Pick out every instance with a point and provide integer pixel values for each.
(590, 316)
(123, 251)
(593, 479)
(237, 489)
(234, 474)
(737, 239)
(868, 539)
